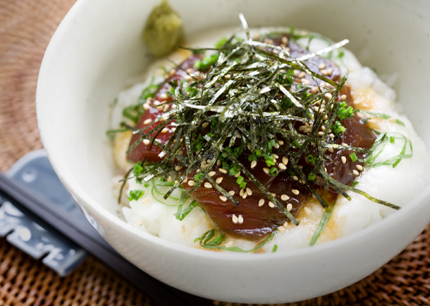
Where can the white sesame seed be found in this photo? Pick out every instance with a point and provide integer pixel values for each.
(253, 164)
(232, 192)
(281, 229)
(223, 198)
(249, 191)
(329, 71)
(237, 174)
(166, 108)
(205, 124)
(177, 168)
(163, 96)
(343, 97)
(276, 145)
(234, 219)
(331, 135)
(285, 160)
(222, 170)
(146, 106)
(164, 131)
(273, 194)
(343, 159)
(295, 191)
(207, 185)
(284, 40)
(296, 72)
(261, 202)
(218, 162)
(281, 142)
(328, 96)
(302, 74)
(295, 178)
(147, 121)
(284, 197)
(219, 180)
(271, 205)
(185, 179)
(356, 173)
(321, 66)
(240, 219)
(282, 166)
(241, 192)
(306, 81)
(275, 156)
(156, 102)
(145, 200)
(302, 128)
(320, 133)
(146, 141)
(330, 149)
(301, 181)
(266, 170)
(359, 167)
(308, 211)
(212, 173)
(227, 77)
(191, 183)
(289, 207)
(209, 161)
(244, 195)
(285, 224)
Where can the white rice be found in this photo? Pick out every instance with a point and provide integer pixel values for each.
(395, 185)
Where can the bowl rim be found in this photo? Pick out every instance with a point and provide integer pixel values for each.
(88, 203)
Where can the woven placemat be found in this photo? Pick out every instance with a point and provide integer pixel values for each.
(25, 29)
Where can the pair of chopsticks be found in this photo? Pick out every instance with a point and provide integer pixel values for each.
(48, 215)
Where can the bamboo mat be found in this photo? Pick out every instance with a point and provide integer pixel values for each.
(26, 27)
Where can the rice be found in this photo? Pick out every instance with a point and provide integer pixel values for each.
(397, 185)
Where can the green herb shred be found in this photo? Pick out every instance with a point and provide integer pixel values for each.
(247, 99)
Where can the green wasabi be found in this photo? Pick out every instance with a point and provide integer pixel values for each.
(163, 30)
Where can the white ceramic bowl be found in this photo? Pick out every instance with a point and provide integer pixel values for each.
(98, 46)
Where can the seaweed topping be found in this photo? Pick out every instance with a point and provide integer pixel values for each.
(251, 131)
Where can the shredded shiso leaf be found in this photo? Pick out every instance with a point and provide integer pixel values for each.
(322, 225)
(209, 241)
(247, 98)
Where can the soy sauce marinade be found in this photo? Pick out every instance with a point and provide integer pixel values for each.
(252, 132)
